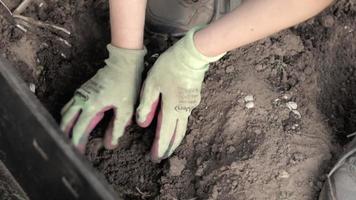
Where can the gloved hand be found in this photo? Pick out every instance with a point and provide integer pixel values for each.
(177, 77)
(116, 87)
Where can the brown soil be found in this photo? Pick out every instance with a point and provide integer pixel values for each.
(230, 152)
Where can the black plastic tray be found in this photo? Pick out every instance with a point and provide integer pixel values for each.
(36, 152)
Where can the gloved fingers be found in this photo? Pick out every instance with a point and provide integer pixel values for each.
(85, 124)
(67, 106)
(69, 119)
(178, 137)
(97, 118)
(165, 132)
(116, 129)
(148, 104)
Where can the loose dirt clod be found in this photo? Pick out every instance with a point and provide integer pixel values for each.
(176, 166)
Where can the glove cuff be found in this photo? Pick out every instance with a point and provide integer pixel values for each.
(197, 60)
(130, 58)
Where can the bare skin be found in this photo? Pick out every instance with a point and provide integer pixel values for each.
(251, 21)
(127, 20)
(254, 20)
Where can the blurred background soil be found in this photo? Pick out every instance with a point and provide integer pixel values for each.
(273, 119)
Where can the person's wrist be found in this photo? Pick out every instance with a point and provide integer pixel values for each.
(203, 43)
(127, 38)
(190, 55)
(133, 58)
(134, 45)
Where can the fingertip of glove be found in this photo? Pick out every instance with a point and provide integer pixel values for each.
(62, 127)
(110, 146)
(141, 121)
(142, 124)
(155, 159)
(144, 120)
(80, 148)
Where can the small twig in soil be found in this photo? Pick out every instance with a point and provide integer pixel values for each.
(351, 135)
(22, 7)
(21, 28)
(41, 24)
(144, 195)
(64, 41)
(5, 6)
(9, 16)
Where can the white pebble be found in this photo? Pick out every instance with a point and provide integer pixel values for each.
(286, 97)
(250, 105)
(32, 87)
(283, 174)
(249, 98)
(295, 126)
(292, 105)
(297, 113)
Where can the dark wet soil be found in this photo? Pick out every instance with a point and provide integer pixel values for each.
(9, 188)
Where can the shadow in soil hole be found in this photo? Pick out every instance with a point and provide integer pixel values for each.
(69, 67)
(337, 81)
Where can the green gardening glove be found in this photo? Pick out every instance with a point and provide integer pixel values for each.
(115, 87)
(177, 77)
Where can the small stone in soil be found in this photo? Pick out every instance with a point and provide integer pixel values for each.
(234, 183)
(230, 69)
(231, 149)
(297, 114)
(286, 97)
(292, 105)
(328, 21)
(249, 98)
(258, 131)
(308, 70)
(283, 174)
(250, 105)
(295, 126)
(32, 87)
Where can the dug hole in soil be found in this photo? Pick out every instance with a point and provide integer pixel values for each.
(273, 118)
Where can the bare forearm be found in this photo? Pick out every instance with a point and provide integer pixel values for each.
(127, 20)
(254, 20)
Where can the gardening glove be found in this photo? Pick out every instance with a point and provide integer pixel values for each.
(177, 77)
(115, 87)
